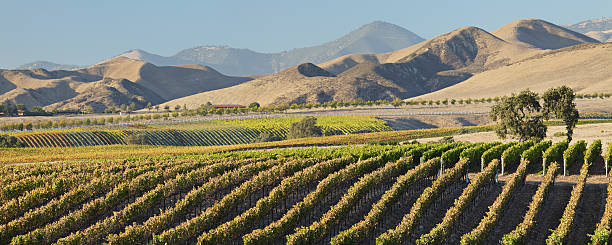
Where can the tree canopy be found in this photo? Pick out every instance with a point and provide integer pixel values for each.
(519, 115)
(559, 102)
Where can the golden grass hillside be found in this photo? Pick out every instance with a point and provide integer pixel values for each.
(585, 68)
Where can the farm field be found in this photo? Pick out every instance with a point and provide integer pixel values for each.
(222, 132)
(447, 193)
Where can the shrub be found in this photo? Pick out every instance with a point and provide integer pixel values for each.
(305, 128)
(593, 153)
(573, 153)
(534, 153)
(137, 139)
(512, 155)
(266, 137)
(7, 141)
(495, 152)
(555, 152)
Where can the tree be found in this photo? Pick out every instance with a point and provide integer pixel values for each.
(305, 128)
(123, 107)
(166, 107)
(177, 107)
(7, 141)
(89, 109)
(149, 106)
(559, 102)
(132, 106)
(519, 115)
(139, 138)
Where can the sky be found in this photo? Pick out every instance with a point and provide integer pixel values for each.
(84, 32)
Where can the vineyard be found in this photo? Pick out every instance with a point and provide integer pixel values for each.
(226, 132)
(452, 193)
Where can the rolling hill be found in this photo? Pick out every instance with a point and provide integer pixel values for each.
(540, 34)
(585, 68)
(426, 67)
(113, 82)
(376, 37)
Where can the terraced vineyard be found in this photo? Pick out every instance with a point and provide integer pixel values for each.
(408, 194)
(226, 132)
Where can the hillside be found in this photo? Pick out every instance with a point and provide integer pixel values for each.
(585, 68)
(130, 81)
(600, 29)
(106, 93)
(602, 36)
(602, 24)
(376, 37)
(540, 34)
(428, 66)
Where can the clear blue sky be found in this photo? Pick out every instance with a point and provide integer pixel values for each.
(84, 32)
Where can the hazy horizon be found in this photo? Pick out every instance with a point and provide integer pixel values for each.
(83, 33)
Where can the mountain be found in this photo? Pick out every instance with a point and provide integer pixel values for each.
(376, 37)
(113, 82)
(106, 93)
(602, 24)
(50, 66)
(429, 66)
(540, 34)
(585, 68)
(602, 36)
(600, 29)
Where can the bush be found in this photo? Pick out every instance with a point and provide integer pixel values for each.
(473, 154)
(593, 153)
(534, 153)
(305, 128)
(266, 137)
(555, 152)
(7, 141)
(512, 155)
(332, 131)
(137, 139)
(496, 152)
(574, 152)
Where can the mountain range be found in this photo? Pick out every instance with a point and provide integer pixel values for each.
(443, 61)
(376, 37)
(600, 29)
(464, 62)
(50, 66)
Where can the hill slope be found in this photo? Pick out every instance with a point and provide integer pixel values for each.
(423, 68)
(585, 68)
(540, 34)
(434, 64)
(602, 24)
(376, 37)
(112, 82)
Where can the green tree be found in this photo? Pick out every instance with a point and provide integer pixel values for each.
(519, 115)
(7, 141)
(304, 128)
(149, 106)
(132, 107)
(254, 105)
(139, 138)
(88, 109)
(559, 102)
